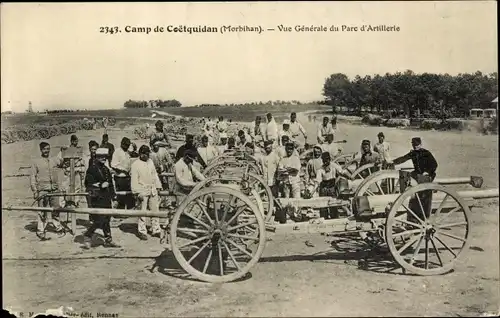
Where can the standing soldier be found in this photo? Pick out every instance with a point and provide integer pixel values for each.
(255, 130)
(288, 172)
(121, 165)
(424, 163)
(382, 147)
(324, 129)
(296, 128)
(271, 129)
(285, 132)
(269, 163)
(99, 184)
(106, 144)
(43, 180)
(146, 184)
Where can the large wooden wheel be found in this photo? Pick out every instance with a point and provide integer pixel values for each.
(427, 229)
(253, 182)
(231, 167)
(380, 183)
(217, 234)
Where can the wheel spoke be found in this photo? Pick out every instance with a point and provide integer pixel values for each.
(369, 192)
(410, 223)
(448, 214)
(426, 253)
(184, 229)
(379, 188)
(240, 210)
(238, 247)
(413, 213)
(241, 225)
(231, 256)
(452, 236)
(410, 242)
(221, 263)
(407, 232)
(198, 252)
(421, 207)
(244, 237)
(196, 220)
(445, 246)
(201, 239)
(207, 261)
(201, 204)
(437, 252)
(440, 207)
(419, 245)
(452, 225)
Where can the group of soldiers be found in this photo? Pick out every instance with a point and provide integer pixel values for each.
(141, 174)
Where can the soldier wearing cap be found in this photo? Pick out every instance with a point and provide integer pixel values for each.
(314, 164)
(255, 129)
(424, 163)
(271, 129)
(160, 135)
(367, 155)
(324, 129)
(243, 139)
(189, 145)
(330, 146)
(288, 172)
(99, 184)
(296, 128)
(382, 147)
(285, 132)
(222, 146)
(269, 162)
(186, 174)
(163, 162)
(43, 180)
(206, 151)
(121, 164)
(145, 183)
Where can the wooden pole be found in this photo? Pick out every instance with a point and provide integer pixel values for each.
(72, 181)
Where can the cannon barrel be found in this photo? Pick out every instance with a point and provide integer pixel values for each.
(476, 182)
(379, 203)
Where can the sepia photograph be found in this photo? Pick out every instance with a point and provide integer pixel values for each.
(263, 159)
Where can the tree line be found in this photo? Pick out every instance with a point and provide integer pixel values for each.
(412, 95)
(158, 103)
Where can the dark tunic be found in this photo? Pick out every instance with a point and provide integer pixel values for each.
(423, 161)
(182, 150)
(99, 197)
(111, 149)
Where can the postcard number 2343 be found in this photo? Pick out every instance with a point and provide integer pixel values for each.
(109, 30)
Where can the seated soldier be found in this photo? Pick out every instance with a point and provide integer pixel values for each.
(206, 151)
(186, 174)
(314, 164)
(281, 150)
(327, 182)
(368, 156)
(222, 146)
(330, 146)
(231, 144)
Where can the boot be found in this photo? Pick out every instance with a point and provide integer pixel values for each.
(42, 236)
(108, 242)
(87, 241)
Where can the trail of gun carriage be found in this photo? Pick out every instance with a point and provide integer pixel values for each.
(369, 203)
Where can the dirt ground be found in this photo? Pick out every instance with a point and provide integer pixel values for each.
(142, 279)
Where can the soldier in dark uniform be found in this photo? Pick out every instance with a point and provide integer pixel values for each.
(425, 166)
(424, 163)
(99, 184)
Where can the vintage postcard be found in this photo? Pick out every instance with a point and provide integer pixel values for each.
(250, 159)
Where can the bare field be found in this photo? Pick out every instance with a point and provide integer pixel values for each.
(142, 279)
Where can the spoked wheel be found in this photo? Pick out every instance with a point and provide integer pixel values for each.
(427, 229)
(381, 183)
(217, 234)
(254, 182)
(234, 168)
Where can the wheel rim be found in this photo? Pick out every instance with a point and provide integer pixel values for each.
(428, 243)
(233, 168)
(364, 171)
(227, 244)
(381, 183)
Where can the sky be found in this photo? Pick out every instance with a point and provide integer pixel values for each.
(54, 55)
